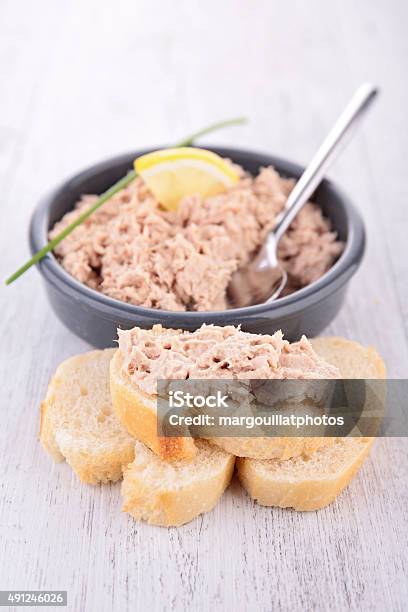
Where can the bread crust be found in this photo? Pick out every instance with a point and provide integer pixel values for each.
(47, 436)
(137, 412)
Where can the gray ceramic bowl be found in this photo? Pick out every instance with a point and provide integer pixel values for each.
(95, 317)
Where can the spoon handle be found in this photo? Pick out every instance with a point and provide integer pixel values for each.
(325, 155)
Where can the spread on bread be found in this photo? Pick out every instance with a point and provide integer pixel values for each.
(216, 352)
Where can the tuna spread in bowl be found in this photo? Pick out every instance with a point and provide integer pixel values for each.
(134, 250)
(134, 264)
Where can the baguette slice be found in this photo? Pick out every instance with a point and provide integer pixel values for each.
(78, 423)
(304, 483)
(310, 483)
(173, 493)
(137, 412)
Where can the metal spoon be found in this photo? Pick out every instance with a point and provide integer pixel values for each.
(263, 279)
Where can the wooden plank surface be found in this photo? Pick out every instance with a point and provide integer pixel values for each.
(85, 80)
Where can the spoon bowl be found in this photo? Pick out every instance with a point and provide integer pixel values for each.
(260, 281)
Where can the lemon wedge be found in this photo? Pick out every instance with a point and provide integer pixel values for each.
(172, 174)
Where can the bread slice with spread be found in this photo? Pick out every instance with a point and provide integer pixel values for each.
(212, 352)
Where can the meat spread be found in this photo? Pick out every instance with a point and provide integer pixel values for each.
(133, 250)
(216, 352)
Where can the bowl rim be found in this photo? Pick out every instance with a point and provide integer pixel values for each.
(53, 272)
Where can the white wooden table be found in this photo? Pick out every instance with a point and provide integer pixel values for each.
(85, 80)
